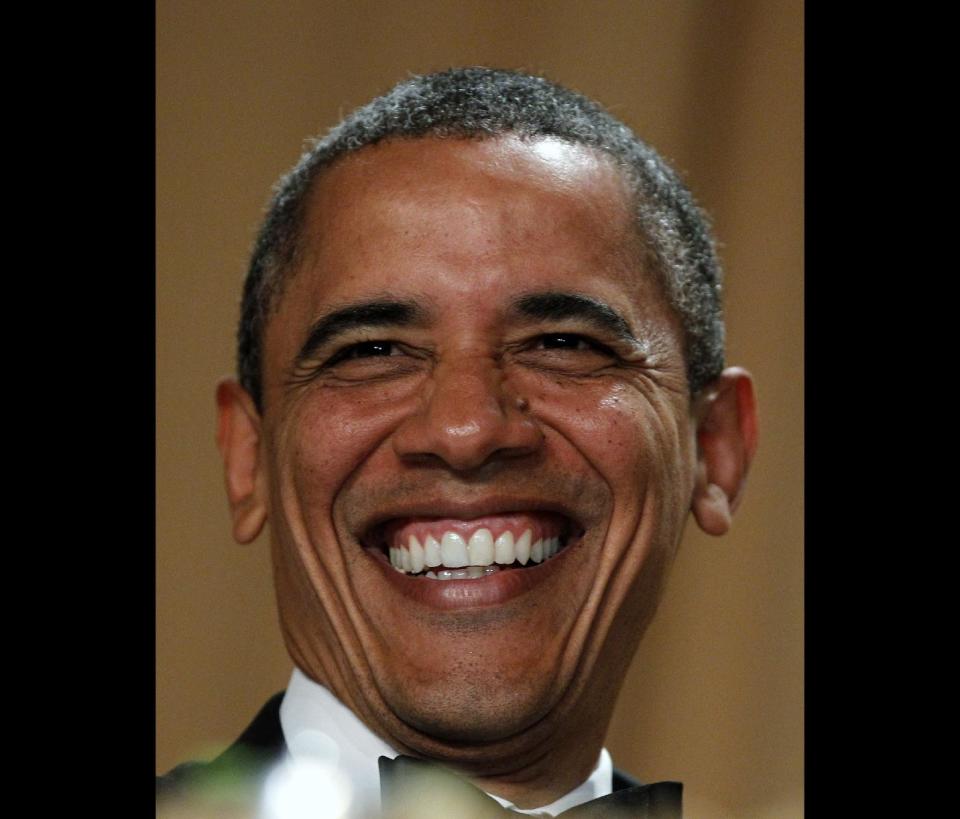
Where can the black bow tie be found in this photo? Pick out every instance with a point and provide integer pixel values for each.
(417, 789)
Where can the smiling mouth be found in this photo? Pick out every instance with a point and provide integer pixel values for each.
(452, 549)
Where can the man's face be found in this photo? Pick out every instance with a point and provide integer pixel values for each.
(472, 344)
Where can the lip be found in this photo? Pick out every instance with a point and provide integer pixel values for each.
(450, 595)
(493, 590)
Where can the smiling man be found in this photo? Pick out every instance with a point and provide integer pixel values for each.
(481, 388)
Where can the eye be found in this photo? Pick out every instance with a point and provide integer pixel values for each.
(564, 341)
(359, 362)
(565, 353)
(365, 349)
(570, 341)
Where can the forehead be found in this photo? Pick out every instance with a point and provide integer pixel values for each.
(420, 218)
(418, 180)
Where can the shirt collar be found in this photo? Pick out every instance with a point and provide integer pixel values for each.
(317, 726)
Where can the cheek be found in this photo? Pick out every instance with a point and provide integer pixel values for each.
(333, 432)
(630, 436)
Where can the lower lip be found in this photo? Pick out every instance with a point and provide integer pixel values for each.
(492, 590)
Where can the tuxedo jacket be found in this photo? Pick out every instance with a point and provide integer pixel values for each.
(262, 745)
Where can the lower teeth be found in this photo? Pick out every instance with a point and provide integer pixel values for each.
(466, 573)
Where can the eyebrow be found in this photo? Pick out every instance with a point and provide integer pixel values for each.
(575, 306)
(376, 313)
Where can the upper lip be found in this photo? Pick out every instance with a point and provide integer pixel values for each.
(459, 509)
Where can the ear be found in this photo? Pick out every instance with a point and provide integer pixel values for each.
(238, 437)
(726, 415)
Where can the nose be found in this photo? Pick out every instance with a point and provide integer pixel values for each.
(467, 418)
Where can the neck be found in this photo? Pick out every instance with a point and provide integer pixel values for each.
(542, 781)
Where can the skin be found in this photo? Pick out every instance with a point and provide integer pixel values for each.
(473, 408)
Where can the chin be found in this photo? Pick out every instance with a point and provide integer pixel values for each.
(472, 710)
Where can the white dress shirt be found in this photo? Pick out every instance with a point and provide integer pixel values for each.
(320, 730)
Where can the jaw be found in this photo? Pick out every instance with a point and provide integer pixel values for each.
(505, 690)
(474, 672)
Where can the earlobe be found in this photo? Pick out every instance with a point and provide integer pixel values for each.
(726, 442)
(238, 438)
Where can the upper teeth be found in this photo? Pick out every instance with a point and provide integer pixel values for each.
(453, 552)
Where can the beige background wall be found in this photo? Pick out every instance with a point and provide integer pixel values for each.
(714, 697)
